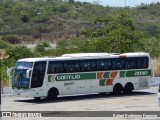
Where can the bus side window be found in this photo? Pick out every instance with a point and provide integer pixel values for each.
(120, 64)
(93, 66)
(134, 64)
(86, 66)
(82, 66)
(77, 67)
(60, 67)
(100, 65)
(114, 64)
(128, 65)
(69, 66)
(52, 70)
(108, 65)
(140, 63)
(55, 67)
(145, 62)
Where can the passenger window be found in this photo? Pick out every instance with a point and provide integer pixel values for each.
(109, 65)
(96, 65)
(93, 66)
(70, 67)
(55, 67)
(100, 65)
(77, 67)
(85, 66)
(130, 63)
(145, 62)
(120, 64)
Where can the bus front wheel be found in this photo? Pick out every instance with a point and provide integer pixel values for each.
(52, 94)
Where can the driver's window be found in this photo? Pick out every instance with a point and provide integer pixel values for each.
(38, 74)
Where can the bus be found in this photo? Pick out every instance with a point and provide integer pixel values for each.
(81, 73)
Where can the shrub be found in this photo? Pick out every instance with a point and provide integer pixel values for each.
(39, 48)
(13, 39)
(19, 52)
(4, 45)
(46, 44)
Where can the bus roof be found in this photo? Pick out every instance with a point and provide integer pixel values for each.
(105, 54)
(78, 56)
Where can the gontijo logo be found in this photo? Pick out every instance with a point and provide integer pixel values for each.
(67, 77)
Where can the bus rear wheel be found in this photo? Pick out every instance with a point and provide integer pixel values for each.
(52, 94)
(102, 93)
(128, 88)
(117, 89)
(37, 98)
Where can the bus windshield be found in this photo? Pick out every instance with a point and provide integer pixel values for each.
(24, 65)
(20, 81)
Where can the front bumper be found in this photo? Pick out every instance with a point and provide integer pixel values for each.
(36, 92)
(22, 93)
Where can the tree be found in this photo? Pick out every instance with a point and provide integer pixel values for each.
(19, 52)
(122, 36)
(115, 35)
(13, 38)
(71, 1)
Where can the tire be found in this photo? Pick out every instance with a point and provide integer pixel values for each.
(128, 88)
(37, 98)
(117, 89)
(52, 94)
(103, 93)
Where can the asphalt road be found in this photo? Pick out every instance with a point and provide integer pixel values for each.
(142, 100)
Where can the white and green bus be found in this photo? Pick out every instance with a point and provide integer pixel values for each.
(81, 73)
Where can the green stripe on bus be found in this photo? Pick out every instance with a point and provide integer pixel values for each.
(81, 76)
(93, 75)
(49, 78)
(135, 73)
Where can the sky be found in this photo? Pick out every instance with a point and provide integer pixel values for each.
(120, 3)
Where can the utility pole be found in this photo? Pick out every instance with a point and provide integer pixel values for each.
(39, 13)
(124, 3)
(77, 31)
(56, 33)
(4, 34)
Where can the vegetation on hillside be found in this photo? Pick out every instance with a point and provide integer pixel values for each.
(75, 27)
(32, 20)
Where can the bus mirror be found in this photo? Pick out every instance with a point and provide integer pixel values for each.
(8, 72)
(28, 73)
